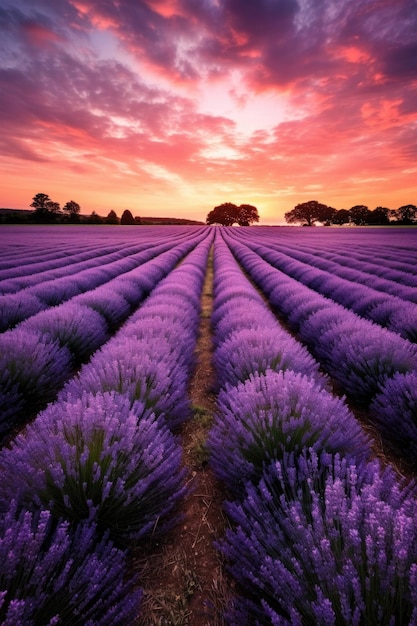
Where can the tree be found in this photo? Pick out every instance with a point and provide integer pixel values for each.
(72, 209)
(94, 218)
(247, 214)
(407, 214)
(45, 209)
(379, 216)
(111, 218)
(127, 218)
(359, 214)
(341, 217)
(308, 213)
(228, 214)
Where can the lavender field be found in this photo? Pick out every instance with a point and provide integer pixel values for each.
(313, 440)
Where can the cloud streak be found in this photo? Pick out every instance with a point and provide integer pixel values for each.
(173, 106)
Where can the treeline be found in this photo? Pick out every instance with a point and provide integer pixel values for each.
(46, 211)
(312, 212)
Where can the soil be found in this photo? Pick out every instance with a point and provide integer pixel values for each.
(183, 577)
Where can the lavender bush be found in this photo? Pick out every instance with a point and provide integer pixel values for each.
(363, 362)
(394, 411)
(342, 551)
(16, 307)
(94, 459)
(79, 328)
(111, 305)
(274, 415)
(32, 370)
(53, 575)
(254, 351)
(146, 371)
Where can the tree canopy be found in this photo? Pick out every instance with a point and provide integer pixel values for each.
(308, 213)
(72, 209)
(311, 212)
(127, 218)
(228, 214)
(46, 210)
(112, 218)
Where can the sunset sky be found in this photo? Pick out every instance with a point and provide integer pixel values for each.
(170, 107)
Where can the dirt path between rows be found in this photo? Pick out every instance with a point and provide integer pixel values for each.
(183, 576)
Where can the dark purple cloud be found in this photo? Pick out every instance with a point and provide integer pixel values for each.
(346, 71)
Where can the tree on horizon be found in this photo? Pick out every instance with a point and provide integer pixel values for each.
(227, 214)
(46, 210)
(112, 218)
(127, 218)
(72, 209)
(308, 213)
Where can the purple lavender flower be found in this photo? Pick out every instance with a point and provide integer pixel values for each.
(52, 575)
(238, 314)
(248, 351)
(16, 307)
(95, 459)
(111, 305)
(32, 371)
(274, 415)
(79, 328)
(148, 371)
(337, 551)
(363, 362)
(394, 411)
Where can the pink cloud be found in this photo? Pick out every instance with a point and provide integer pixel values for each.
(169, 112)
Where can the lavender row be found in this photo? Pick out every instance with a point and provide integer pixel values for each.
(16, 307)
(27, 273)
(103, 455)
(371, 364)
(28, 265)
(34, 274)
(39, 355)
(28, 246)
(149, 359)
(386, 275)
(382, 277)
(273, 400)
(320, 533)
(374, 250)
(386, 310)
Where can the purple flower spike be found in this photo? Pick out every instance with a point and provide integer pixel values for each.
(32, 370)
(94, 459)
(78, 327)
(276, 414)
(394, 411)
(53, 575)
(340, 550)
